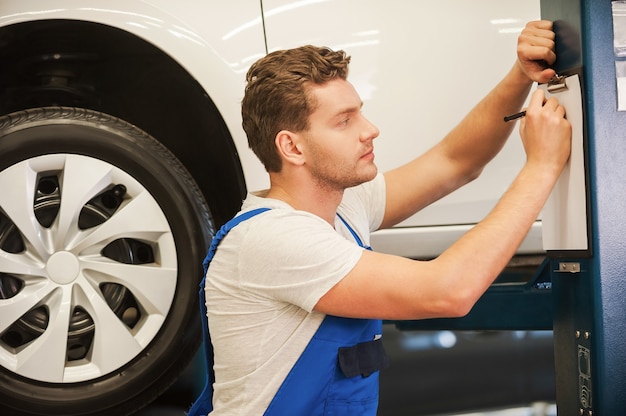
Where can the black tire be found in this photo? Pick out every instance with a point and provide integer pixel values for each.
(102, 235)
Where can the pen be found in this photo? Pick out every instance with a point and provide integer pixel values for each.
(515, 116)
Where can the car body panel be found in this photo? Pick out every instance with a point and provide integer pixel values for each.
(418, 66)
(216, 51)
(419, 71)
(446, 56)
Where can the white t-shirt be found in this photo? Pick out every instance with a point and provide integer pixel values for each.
(266, 277)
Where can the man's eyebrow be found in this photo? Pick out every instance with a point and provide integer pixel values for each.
(351, 109)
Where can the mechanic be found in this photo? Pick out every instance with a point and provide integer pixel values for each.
(294, 295)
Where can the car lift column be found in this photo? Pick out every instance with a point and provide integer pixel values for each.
(589, 291)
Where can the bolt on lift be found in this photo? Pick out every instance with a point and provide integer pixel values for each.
(579, 291)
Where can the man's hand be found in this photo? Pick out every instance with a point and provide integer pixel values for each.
(535, 50)
(545, 132)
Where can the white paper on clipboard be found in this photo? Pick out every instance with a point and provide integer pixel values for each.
(564, 216)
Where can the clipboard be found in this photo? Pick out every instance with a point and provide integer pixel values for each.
(565, 216)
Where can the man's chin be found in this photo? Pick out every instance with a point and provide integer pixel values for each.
(373, 173)
(366, 177)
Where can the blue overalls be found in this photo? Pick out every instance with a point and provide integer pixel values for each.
(336, 375)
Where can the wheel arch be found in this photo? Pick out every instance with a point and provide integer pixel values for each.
(103, 68)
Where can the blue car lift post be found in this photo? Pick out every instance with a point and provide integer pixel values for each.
(590, 306)
(581, 295)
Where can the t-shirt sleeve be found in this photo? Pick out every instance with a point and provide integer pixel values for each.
(294, 257)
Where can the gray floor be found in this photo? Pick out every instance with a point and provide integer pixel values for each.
(538, 409)
(157, 410)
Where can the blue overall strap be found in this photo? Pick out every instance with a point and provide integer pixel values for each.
(354, 234)
(204, 403)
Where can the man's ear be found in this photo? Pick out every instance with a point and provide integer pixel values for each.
(289, 147)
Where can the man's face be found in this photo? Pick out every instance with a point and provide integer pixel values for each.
(339, 143)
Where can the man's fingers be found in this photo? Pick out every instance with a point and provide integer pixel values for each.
(541, 24)
(552, 104)
(536, 100)
(539, 102)
(536, 50)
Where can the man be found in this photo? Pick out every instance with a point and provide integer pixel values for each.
(294, 296)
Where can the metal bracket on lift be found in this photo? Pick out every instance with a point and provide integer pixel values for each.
(568, 267)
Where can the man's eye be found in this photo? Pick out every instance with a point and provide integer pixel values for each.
(344, 122)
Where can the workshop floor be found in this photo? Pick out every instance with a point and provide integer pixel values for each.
(539, 409)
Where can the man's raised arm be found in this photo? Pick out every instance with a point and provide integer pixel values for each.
(463, 153)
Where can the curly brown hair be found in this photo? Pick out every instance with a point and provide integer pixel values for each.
(276, 95)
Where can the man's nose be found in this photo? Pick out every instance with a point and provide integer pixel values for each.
(370, 131)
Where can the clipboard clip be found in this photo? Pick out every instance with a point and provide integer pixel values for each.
(557, 84)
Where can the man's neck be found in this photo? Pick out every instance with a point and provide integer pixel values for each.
(313, 199)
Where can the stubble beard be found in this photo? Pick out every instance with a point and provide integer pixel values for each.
(339, 178)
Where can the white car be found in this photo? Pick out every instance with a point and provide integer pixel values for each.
(121, 152)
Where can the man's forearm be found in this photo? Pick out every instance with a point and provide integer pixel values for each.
(482, 133)
(489, 246)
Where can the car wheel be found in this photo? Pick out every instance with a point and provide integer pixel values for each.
(102, 235)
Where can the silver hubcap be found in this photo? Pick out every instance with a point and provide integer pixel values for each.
(88, 268)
